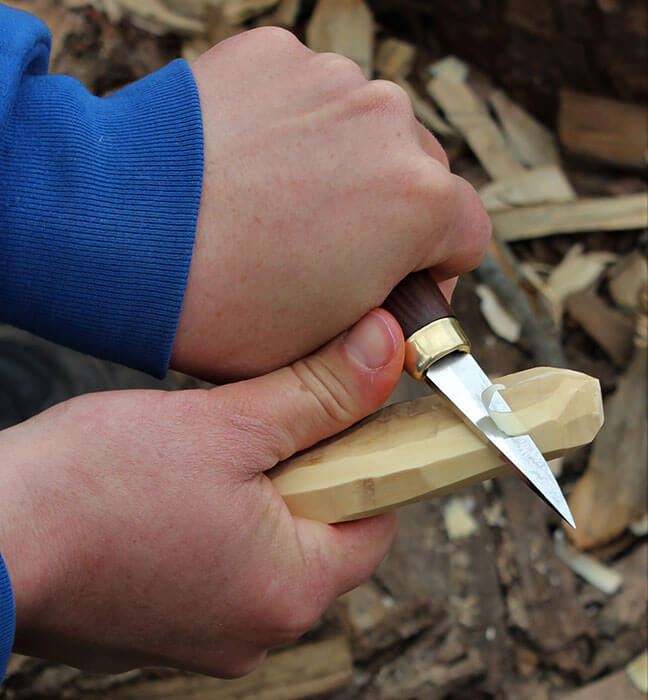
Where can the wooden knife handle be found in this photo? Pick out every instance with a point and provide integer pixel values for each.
(417, 301)
(429, 325)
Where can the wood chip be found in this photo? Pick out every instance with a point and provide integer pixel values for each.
(345, 27)
(627, 278)
(459, 522)
(541, 185)
(192, 48)
(608, 130)
(612, 492)
(465, 111)
(611, 330)
(577, 271)
(394, 58)
(531, 142)
(292, 673)
(599, 214)
(284, 15)
(154, 16)
(498, 317)
(638, 672)
(450, 68)
(59, 19)
(639, 527)
(587, 567)
(236, 12)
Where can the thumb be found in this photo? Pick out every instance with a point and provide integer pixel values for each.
(331, 389)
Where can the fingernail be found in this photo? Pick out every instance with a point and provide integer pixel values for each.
(371, 341)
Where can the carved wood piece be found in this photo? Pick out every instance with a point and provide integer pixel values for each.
(419, 449)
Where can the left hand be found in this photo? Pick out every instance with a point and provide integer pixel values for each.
(139, 529)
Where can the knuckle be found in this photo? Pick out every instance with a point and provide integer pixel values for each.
(386, 96)
(327, 390)
(276, 38)
(340, 67)
(425, 180)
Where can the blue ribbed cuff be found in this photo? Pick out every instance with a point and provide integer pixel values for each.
(99, 200)
(7, 618)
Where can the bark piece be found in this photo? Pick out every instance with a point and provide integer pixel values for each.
(376, 621)
(541, 185)
(626, 212)
(295, 672)
(345, 27)
(420, 449)
(605, 129)
(629, 606)
(465, 111)
(415, 675)
(541, 597)
(532, 143)
(461, 576)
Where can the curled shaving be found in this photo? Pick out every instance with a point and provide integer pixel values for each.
(506, 421)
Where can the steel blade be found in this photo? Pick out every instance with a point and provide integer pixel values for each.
(460, 379)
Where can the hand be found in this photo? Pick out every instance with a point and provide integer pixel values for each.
(321, 192)
(138, 527)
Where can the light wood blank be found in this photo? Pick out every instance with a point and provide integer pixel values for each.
(420, 449)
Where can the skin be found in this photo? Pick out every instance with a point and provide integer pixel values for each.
(321, 192)
(139, 527)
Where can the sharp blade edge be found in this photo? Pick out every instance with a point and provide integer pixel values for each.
(460, 379)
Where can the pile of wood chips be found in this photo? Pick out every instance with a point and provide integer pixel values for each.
(484, 595)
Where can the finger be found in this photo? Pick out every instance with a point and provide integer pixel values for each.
(462, 246)
(448, 287)
(340, 557)
(431, 146)
(329, 390)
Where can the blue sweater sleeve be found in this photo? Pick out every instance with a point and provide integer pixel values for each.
(99, 200)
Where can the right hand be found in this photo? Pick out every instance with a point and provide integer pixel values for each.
(321, 192)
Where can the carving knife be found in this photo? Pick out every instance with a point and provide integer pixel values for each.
(438, 351)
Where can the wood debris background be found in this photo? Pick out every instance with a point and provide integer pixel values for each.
(483, 595)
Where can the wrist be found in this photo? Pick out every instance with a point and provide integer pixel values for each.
(27, 542)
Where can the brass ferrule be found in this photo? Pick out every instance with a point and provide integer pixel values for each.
(431, 343)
